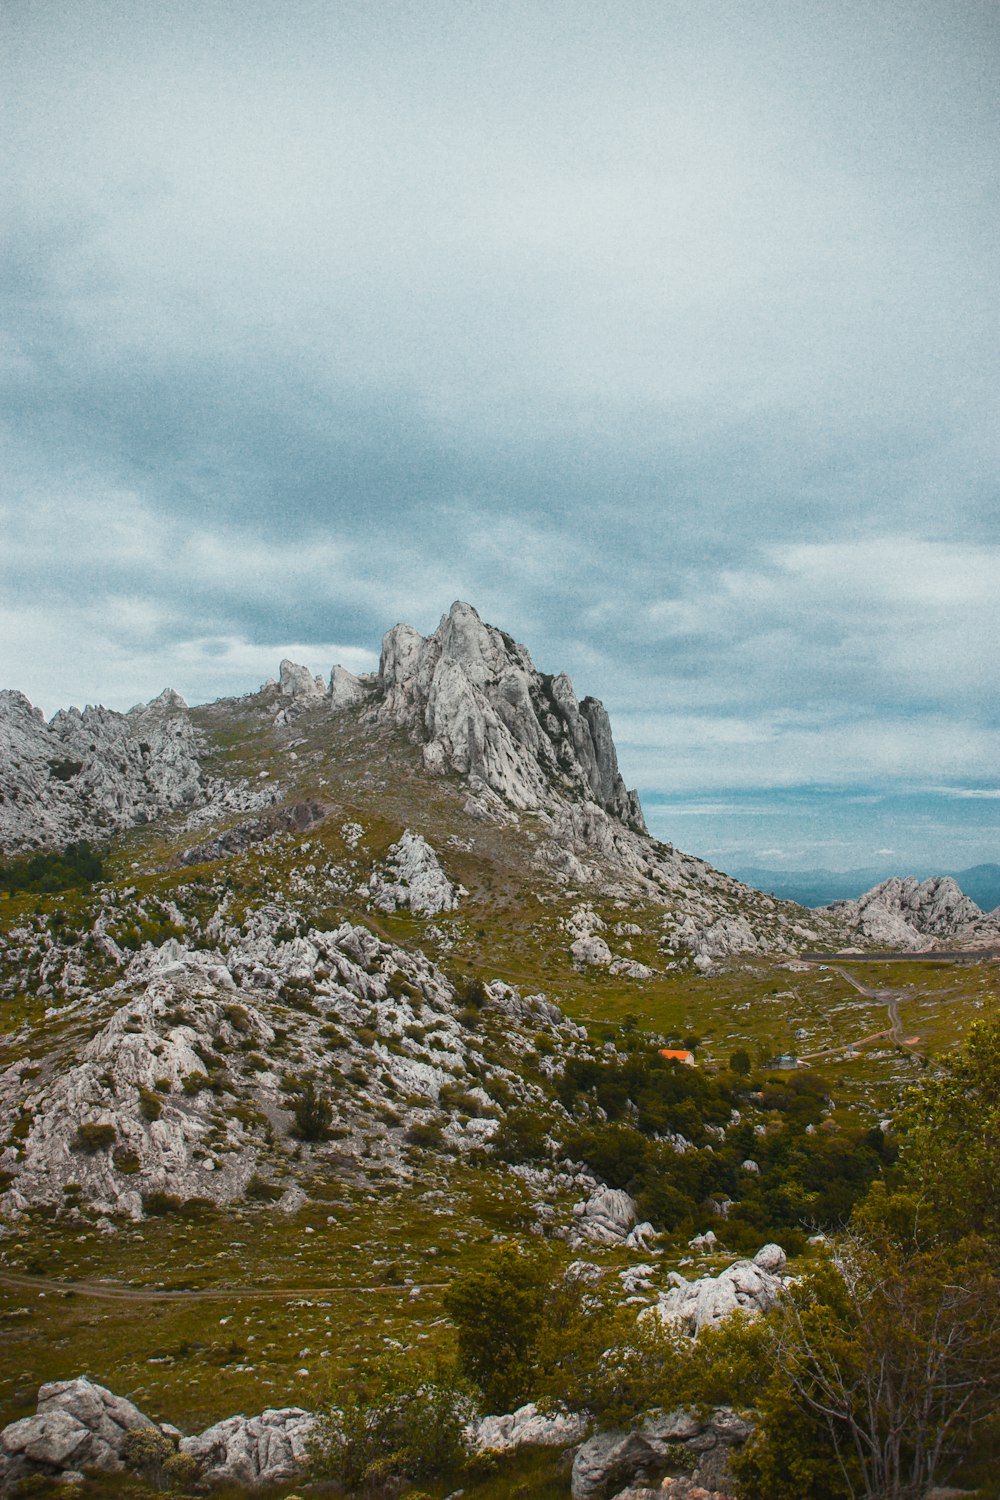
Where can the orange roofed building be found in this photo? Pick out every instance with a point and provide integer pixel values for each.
(679, 1054)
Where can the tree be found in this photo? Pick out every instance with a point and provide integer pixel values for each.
(950, 1141)
(741, 1062)
(893, 1358)
(499, 1311)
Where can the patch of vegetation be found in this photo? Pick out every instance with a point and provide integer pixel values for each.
(78, 865)
(92, 1137)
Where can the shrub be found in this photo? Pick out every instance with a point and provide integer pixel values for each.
(405, 1422)
(161, 1203)
(92, 1137)
(521, 1137)
(126, 1161)
(312, 1113)
(258, 1190)
(150, 1106)
(145, 1450)
(425, 1133)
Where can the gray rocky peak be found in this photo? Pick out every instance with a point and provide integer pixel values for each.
(89, 771)
(472, 695)
(298, 682)
(345, 689)
(904, 912)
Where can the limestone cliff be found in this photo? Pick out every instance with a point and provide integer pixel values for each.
(472, 695)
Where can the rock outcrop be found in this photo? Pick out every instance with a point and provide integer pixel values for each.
(414, 879)
(526, 1426)
(80, 1425)
(253, 1451)
(749, 1286)
(346, 690)
(604, 1219)
(472, 696)
(660, 1445)
(909, 913)
(84, 774)
(77, 1425)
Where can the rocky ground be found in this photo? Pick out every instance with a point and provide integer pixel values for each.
(353, 932)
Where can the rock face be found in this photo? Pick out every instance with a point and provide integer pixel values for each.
(472, 695)
(609, 1460)
(750, 1286)
(605, 1218)
(908, 913)
(346, 690)
(415, 879)
(77, 1424)
(526, 1425)
(81, 1425)
(84, 774)
(253, 1450)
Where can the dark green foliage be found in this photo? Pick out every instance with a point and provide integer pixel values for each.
(312, 1113)
(499, 1312)
(741, 1062)
(521, 1137)
(470, 993)
(150, 1105)
(664, 1094)
(76, 865)
(404, 1422)
(161, 1203)
(92, 1137)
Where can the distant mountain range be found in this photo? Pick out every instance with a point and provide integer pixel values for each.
(981, 883)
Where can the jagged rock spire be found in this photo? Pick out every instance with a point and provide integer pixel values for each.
(472, 695)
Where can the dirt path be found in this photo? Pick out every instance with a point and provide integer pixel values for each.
(107, 1292)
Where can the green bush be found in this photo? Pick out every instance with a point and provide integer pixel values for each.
(150, 1105)
(76, 865)
(312, 1113)
(404, 1422)
(92, 1137)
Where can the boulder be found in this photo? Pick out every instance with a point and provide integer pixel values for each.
(750, 1286)
(609, 1460)
(527, 1425)
(298, 683)
(78, 1424)
(345, 689)
(254, 1450)
(605, 1218)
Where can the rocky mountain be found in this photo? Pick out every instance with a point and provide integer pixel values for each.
(378, 972)
(472, 697)
(85, 775)
(908, 913)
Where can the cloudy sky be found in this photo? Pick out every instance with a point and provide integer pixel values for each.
(665, 333)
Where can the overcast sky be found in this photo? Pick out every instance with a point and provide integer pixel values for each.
(665, 333)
